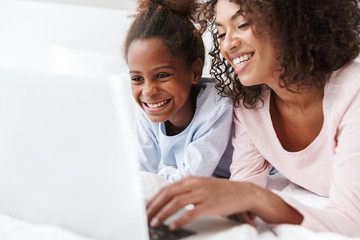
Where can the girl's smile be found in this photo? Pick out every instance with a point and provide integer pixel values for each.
(156, 107)
(161, 83)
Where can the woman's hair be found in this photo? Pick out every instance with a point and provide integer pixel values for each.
(313, 38)
(172, 22)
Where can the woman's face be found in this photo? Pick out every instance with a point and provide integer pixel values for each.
(252, 58)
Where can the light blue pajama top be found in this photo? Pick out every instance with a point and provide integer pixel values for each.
(203, 149)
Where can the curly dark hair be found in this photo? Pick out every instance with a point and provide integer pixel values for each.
(171, 21)
(313, 38)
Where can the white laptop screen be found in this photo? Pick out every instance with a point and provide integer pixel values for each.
(66, 154)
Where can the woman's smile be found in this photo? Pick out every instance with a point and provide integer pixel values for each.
(241, 62)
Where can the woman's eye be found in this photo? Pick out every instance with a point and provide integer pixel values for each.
(244, 25)
(162, 75)
(220, 35)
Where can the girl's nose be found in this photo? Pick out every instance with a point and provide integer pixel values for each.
(149, 89)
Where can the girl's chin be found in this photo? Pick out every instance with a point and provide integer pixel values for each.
(157, 117)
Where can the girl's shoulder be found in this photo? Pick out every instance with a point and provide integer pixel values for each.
(210, 106)
(209, 95)
(143, 120)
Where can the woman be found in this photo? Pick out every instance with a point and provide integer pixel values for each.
(289, 69)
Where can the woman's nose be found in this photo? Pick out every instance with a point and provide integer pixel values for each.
(230, 42)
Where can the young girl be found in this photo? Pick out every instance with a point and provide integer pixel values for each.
(291, 72)
(182, 126)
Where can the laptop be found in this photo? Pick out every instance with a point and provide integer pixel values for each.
(67, 157)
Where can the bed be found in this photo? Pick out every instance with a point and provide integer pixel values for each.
(15, 229)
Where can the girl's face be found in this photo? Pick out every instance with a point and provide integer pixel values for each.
(252, 58)
(161, 83)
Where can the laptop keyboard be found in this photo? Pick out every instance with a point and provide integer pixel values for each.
(163, 233)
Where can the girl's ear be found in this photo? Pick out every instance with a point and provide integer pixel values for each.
(197, 69)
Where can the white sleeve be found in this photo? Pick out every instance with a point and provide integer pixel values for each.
(148, 152)
(203, 154)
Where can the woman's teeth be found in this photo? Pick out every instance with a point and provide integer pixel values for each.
(157, 105)
(243, 59)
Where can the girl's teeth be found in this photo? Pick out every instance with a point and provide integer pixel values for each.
(157, 105)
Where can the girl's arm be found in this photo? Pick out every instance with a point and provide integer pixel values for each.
(208, 138)
(148, 153)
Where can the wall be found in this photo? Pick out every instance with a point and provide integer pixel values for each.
(62, 38)
(122, 4)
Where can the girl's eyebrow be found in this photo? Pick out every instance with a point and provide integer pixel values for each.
(171, 67)
(155, 69)
(239, 12)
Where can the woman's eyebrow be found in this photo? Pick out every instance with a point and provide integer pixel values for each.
(235, 15)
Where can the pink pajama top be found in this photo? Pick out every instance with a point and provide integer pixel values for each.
(328, 167)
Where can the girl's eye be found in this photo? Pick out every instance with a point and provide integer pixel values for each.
(136, 79)
(162, 75)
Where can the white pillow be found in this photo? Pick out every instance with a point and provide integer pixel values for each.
(151, 183)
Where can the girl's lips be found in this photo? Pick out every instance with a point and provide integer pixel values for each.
(156, 107)
(157, 104)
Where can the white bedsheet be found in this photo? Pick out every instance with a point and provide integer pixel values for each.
(16, 229)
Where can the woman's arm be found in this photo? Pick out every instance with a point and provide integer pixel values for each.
(248, 164)
(218, 197)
